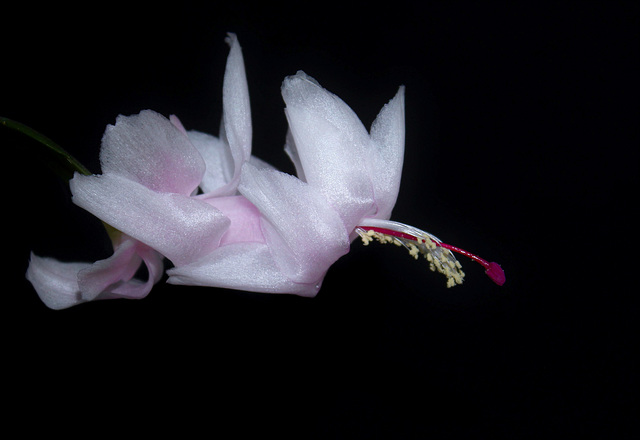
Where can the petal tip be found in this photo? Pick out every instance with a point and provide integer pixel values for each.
(231, 39)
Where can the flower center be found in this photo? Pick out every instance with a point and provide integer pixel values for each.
(417, 242)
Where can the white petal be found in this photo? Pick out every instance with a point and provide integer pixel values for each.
(179, 227)
(305, 235)
(387, 135)
(292, 151)
(220, 165)
(261, 164)
(225, 155)
(235, 102)
(147, 148)
(235, 131)
(332, 145)
(217, 157)
(241, 266)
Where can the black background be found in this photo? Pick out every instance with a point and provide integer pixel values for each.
(521, 145)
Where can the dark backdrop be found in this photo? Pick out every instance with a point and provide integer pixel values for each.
(521, 145)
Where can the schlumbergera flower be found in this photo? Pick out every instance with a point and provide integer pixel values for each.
(227, 219)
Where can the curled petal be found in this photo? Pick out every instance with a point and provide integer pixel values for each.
(136, 289)
(305, 235)
(147, 148)
(113, 277)
(332, 146)
(62, 285)
(121, 266)
(55, 282)
(179, 227)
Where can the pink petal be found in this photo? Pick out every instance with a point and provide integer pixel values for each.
(303, 236)
(332, 145)
(244, 217)
(179, 227)
(147, 148)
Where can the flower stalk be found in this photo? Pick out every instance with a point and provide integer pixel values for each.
(69, 164)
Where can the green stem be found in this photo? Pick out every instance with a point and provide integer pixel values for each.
(69, 163)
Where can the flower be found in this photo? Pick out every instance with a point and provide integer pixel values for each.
(227, 219)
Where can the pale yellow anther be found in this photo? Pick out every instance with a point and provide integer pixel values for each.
(440, 260)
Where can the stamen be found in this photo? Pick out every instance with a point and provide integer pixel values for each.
(438, 254)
